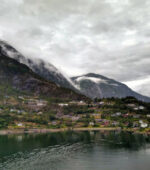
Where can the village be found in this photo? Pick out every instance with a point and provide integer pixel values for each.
(23, 112)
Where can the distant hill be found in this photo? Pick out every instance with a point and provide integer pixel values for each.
(98, 86)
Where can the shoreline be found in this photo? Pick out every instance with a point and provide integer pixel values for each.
(42, 131)
(38, 131)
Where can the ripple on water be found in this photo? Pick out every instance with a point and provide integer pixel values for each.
(49, 158)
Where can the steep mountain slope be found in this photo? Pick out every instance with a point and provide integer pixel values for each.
(97, 86)
(45, 70)
(91, 85)
(22, 78)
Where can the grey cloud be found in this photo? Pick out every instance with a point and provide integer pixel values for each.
(109, 37)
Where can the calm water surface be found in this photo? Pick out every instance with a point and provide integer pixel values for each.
(75, 151)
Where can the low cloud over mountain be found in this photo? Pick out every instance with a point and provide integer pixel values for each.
(109, 37)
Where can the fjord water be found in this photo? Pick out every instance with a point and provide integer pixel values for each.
(75, 151)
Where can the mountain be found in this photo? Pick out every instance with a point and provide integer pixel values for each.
(20, 77)
(97, 86)
(42, 68)
(91, 85)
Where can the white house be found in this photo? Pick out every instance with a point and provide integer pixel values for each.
(101, 103)
(131, 105)
(20, 124)
(91, 123)
(144, 125)
(118, 114)
(141, 107)
(63, 104)
(140, 121)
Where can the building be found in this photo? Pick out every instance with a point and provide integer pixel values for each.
(19, 124)
(141, 107)
(114, 123)
(118, 114)
(136, 116)
(131, 105)
(63, 104)
(75, 118)
(144, 125)
(102, 103)
(91, 124)
(96, 115)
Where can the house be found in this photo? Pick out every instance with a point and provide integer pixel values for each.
(36, 104)
(91, 124)
(136, 116)
(140, 121)
(13, 110)
(19, 124)
(99, 120)
(73, 102)
(81, 103)
(131, 105)
(39, 113)
(41, 103)
(63, 104)
(16, 111)
(75, 118)
(144, 125)
(141, 107)
(101, 103)
(105, 122)
(113, 115)
(136, 108)
(96, 115)
(125, 115)
(20, 111)
(115, 123)
(118, 114)
(54, 123)
(109, 103)
(21, 97)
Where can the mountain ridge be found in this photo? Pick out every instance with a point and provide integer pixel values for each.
(97, 86)
(21, 77)
(92, 85)
(40, 67)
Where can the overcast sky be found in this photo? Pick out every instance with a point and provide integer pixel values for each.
(109, 37)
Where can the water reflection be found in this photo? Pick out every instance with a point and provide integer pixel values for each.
(18, 151)
(10, 144)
